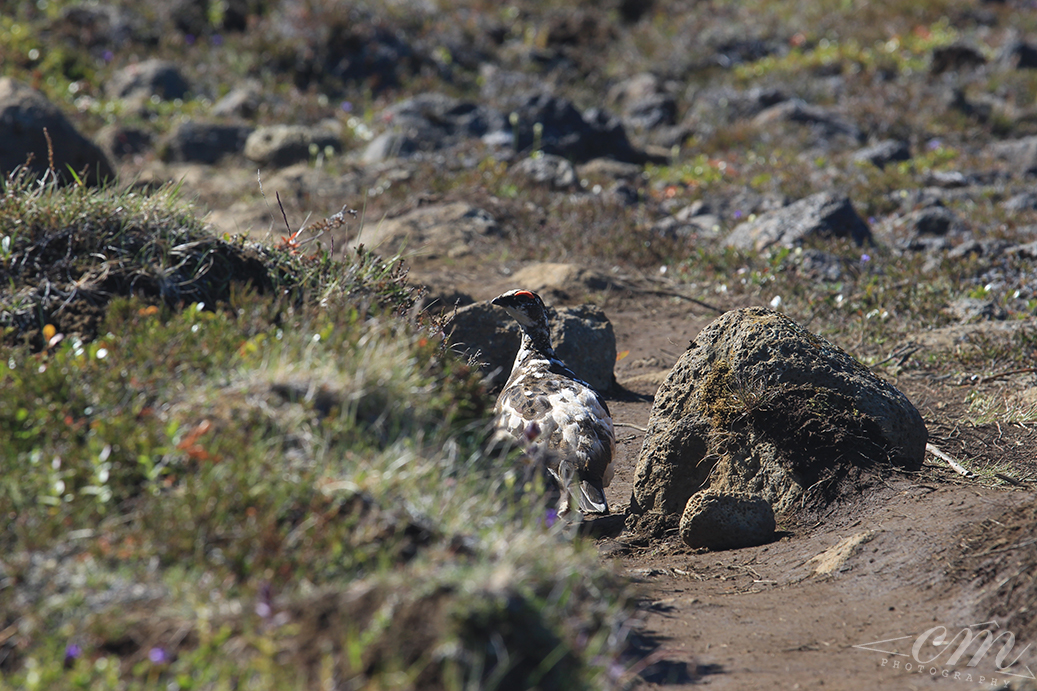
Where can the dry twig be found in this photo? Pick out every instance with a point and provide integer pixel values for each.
(955, 465)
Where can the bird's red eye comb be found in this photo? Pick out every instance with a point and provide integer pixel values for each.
(524, 294)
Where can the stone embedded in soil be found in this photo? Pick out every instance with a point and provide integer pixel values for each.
(825, 214)
(883, 153)
(758, 404)
(958, 56)
(283, 145)
(142, 80)
(1020, 155)
(556, 282)
(967, 310)
(726, 520)
(547, 169)
(582, 336)
(193, 141)
(432, 121)
(835, 557)
(123, 141)
(24, 114)
(934, 227)
(430, 232)
(828, 126)
(553, 125)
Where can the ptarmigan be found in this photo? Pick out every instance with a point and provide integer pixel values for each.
(565, 420)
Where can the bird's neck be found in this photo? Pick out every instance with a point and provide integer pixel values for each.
(536, 344)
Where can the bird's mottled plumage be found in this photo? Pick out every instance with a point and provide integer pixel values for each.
(570, 422)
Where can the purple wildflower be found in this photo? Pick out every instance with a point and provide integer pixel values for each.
(157, 656)
(347, 107)
(264, 606)
(550, 517)
(72, 653)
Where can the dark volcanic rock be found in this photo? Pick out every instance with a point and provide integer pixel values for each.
(553, 125)
(643, 102)
(713, 106)
(1019, 55)
(884, 153)
(433, 121)
(956, 57)
(204, 142)
(582, 337)
(24, 115)
(148, 78)
(102, 26)
(934, 227)
(825, 214)
(121, 141)
(828, 126)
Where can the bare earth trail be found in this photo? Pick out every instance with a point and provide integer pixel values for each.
(776, 616)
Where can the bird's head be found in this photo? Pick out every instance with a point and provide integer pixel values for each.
(525, 307)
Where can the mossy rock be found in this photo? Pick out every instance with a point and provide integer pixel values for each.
(758, 404)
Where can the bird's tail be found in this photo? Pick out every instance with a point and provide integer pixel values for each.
(591, 498)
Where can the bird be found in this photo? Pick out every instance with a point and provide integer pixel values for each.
(560, 418)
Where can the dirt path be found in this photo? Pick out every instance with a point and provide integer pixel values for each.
(778, 616)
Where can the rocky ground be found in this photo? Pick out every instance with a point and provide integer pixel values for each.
(866, 171)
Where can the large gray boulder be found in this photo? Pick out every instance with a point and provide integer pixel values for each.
(758, 404)
(823, 215)
(24, 115)
(582, 336)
